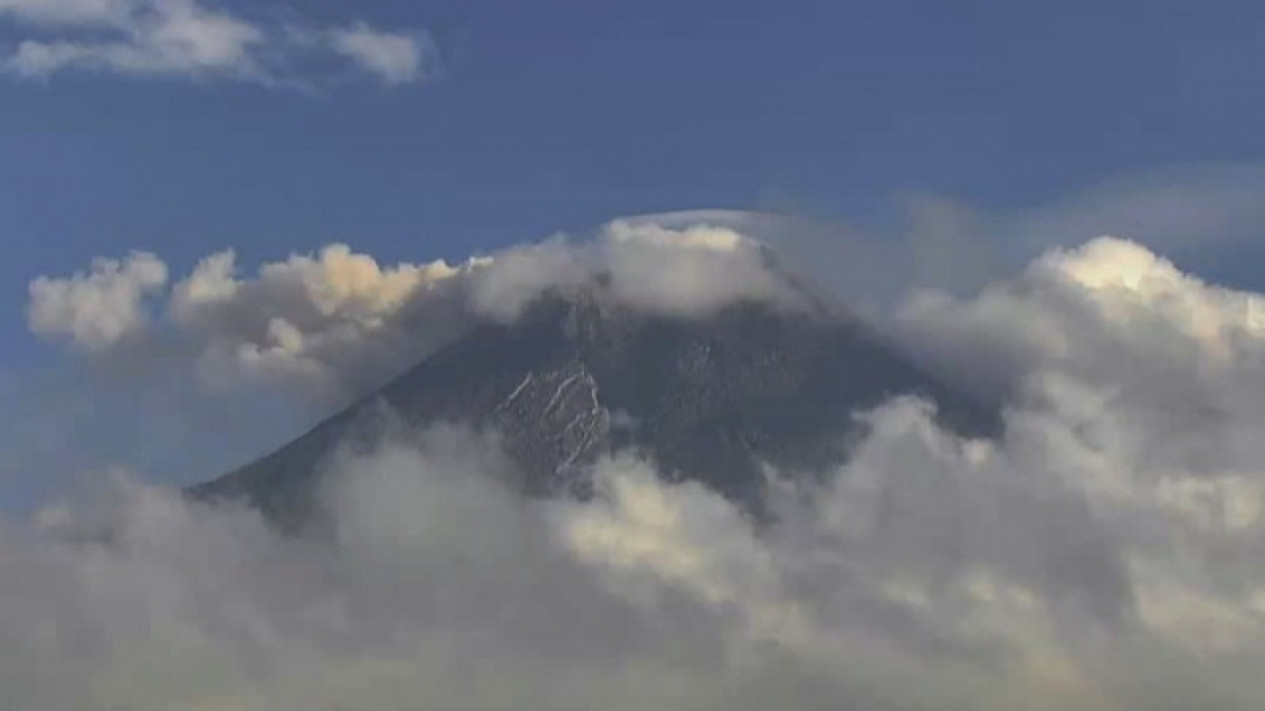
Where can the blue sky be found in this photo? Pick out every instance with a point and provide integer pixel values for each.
(524, 118)
(551, 115)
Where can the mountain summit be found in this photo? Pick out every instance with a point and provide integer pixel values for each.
(578, 375)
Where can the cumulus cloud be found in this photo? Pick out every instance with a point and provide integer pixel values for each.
(690, 271)
(506, 283)
(332, 325)
(100, 307)
(1110, 313)
(440, 589)
(315, 322)
(927, 573)
(186, 38)
(686, 271)
(686, 264)
(1103, 552)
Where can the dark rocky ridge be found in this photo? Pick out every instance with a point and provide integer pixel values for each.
(577, 376)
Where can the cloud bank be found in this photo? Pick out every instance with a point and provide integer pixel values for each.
(186, 38)
(1104, 552)
(329, 326)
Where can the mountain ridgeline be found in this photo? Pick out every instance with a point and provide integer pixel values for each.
(575, 377)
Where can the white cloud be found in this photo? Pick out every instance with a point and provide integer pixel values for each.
(691, 271)
(98, 308)
(1207, 215)
(186, 38)
(395, 57)
(687, 272)
(928, 573)
(67, 12)
(685, 264)
(504, 284)
(1111, 312)
(1181, 207)
(158, 37)
(1105, 552)
(329, 327)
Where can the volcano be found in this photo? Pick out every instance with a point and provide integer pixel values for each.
(577, 376)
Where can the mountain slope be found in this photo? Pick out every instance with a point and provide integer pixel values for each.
(709, 399)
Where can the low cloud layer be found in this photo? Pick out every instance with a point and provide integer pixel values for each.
(331, 325)
(1104, 552)
(187, 38)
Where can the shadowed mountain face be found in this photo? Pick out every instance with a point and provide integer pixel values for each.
(709, 399)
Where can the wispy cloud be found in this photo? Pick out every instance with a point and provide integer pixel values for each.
(394, 57)
(184, 38)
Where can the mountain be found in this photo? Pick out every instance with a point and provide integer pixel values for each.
(579, 375)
